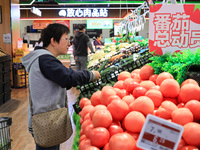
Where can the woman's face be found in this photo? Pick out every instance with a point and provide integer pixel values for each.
(63, 45)
(99, 38)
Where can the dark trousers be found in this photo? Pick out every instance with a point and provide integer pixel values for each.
(57, 147)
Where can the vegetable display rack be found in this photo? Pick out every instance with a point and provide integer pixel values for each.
(5, 141)
(112, 75)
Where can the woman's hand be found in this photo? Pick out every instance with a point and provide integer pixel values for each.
(97, 75)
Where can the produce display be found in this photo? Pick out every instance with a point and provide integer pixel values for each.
(113, 117)
(160, 88)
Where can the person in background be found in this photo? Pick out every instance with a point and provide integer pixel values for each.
(71, 40)
(98, 43)
(39, 44)
(81, 43)
(48, 77)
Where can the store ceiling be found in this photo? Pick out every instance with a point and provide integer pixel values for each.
(26, 4)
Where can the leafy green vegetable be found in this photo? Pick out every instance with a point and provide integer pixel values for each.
(176, 64)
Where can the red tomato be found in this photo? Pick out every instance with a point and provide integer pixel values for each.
(193, 11)
(95, 98)
(87, 103)
(181, 144)
(84, 144)
(97, 107)
(119, 109)
(106, 147)
(99, 136)
(139, 91)
(131, 86)
(114, 129)
(102, 118)
(118, 84)
(187, 81)
(86, 110)
(82, 138)
(135, 76)
(126, 82)
(87, 116)
(122, 141)
(189, 148)
(153, 78)
(85, 124)
(113, 97)
(82, 102)
(128, 99)
(105, 94)
(92, 148)
(121, 93)
(124, 75)
(88, 130)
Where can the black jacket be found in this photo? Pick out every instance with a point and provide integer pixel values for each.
(80, 44)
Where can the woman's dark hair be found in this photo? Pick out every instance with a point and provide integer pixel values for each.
(55, 31)
(98, 35)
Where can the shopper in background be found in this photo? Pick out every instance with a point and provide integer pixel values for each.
(38, 44)
(81, 43)
(97, 43)
(71, 40)
(48, 77)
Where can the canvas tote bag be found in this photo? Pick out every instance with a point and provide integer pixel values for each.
(51, 128)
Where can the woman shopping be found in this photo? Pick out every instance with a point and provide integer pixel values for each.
(49, 78)
(98, 43)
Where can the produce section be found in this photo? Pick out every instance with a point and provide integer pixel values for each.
(162, 87)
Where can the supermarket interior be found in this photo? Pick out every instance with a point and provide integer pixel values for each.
(140, 89)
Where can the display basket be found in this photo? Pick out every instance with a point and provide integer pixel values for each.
(5, 141)
(194, 73)
(113, 76)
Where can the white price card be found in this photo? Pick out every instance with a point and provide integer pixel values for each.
(159, 134)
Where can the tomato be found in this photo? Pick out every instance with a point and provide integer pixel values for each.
(138, 119)
(193, 11)
(155, 7)
(85, 124)
(156, 96)
(105, 93)
(142, 104)
(128, 99)
(122, 141)
(102, 118)
(191, 134)
(82, 138)
(82, 102)
(119, 109)
(95, 98)
(162, 76)
(146, 71)
(114, 129)
(136, 76)
(124, 75)
(170, 88)
(147, 84)
(155, 49)
(106, 147)
(92, 148)
(121, 93)
(179, 114)
(84, 144)
(153, 78)
(194, 107)
(88, 130)
(87, 116)
(126, 82)
(139, 91)
(189, 148)
(99, 136)
(181, 144)
(113, 97)
(173, 100)
(187, 81)
(131, 86)
(87, 103)
(86, 110)
(119, 84)
(97, 107)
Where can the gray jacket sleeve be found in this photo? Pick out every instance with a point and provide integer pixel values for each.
(89, 44)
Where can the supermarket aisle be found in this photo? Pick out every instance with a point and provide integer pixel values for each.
(17, 108)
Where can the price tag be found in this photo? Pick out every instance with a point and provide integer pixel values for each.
(159, 134)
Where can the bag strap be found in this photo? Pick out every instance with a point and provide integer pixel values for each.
(30, 100)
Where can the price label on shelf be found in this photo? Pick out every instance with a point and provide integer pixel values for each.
(159, 134)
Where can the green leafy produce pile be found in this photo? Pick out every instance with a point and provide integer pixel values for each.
(76, 119)
(176, 64)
